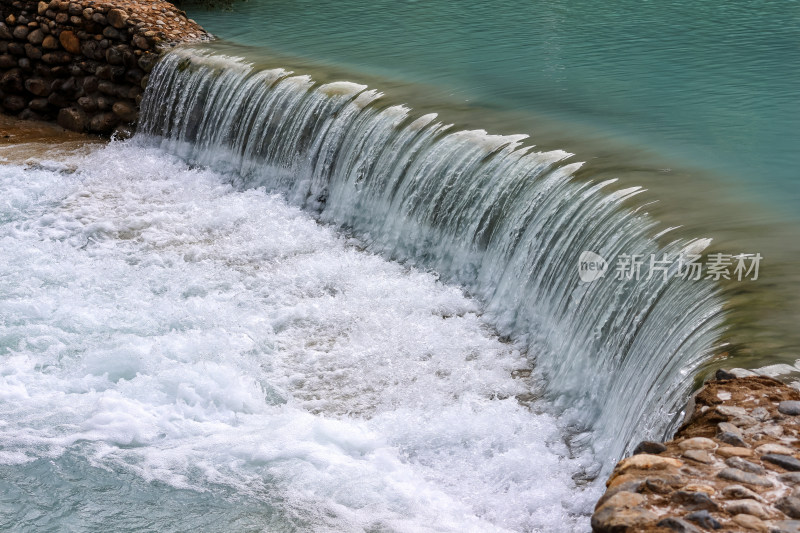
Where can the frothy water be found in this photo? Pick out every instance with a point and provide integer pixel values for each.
(486, 211)
(177, 353)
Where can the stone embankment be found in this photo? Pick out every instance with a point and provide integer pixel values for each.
(84, 63)
(734, 465)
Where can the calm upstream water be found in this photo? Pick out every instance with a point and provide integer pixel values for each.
(300, 300)
(704, 84)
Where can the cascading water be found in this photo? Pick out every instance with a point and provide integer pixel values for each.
(504, 221)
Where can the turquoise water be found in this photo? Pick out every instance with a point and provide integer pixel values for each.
(707, 85)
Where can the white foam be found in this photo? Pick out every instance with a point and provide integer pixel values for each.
(179, 326)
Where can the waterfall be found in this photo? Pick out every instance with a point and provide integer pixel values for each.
(508, 223)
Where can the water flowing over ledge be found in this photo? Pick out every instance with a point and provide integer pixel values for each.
(506, 222)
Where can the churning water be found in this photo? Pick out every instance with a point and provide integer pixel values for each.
(180, 354)
(289, 304)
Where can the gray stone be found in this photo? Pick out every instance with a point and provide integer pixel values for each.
(5, 33)
(774, 448)
(733, 439)
(742, 464)
(734, 474)
(694, 500)
(704, 519)
(738, 492)
(111, 32)
(730, 410)
(760, 413)
(21, 32)
(729, 428)
(747, 506)
(790, 506)
(646, 446)
(724, 375)
(791, 407)
(677, 524)
(786, 526)
(785, 461)
(791, 478)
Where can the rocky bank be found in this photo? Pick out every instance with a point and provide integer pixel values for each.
(734, 465)
(84, 63)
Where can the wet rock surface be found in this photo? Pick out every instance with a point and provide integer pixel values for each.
(84, 64)
(734, 465)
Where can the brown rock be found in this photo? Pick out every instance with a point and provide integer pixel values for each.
(5, 33)
(621, 513)
(11, 81)
(36, 37)
(125, 111)
(732, 451)
(697, 443)
(14, 103)
(738, 492)
(148, 61)
(646, 461)
(694, 501)
(117, 18)
(21, 32)
(744, 465)
(103, 122)
(41, 8)
(734, 474)
(70, 42)
(141, 42)
(72, 118)
(701, 456)
(692, 487)
(751, 523)
(39, 104)
(7, 61)
(37, 86)
(32, 52)
(790, 506)
(748, 506)
(50, 43)
(774, 448)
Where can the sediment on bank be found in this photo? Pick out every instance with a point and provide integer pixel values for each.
(734, 465)
(84, 63)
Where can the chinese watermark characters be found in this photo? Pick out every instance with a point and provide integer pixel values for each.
(716, 267)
